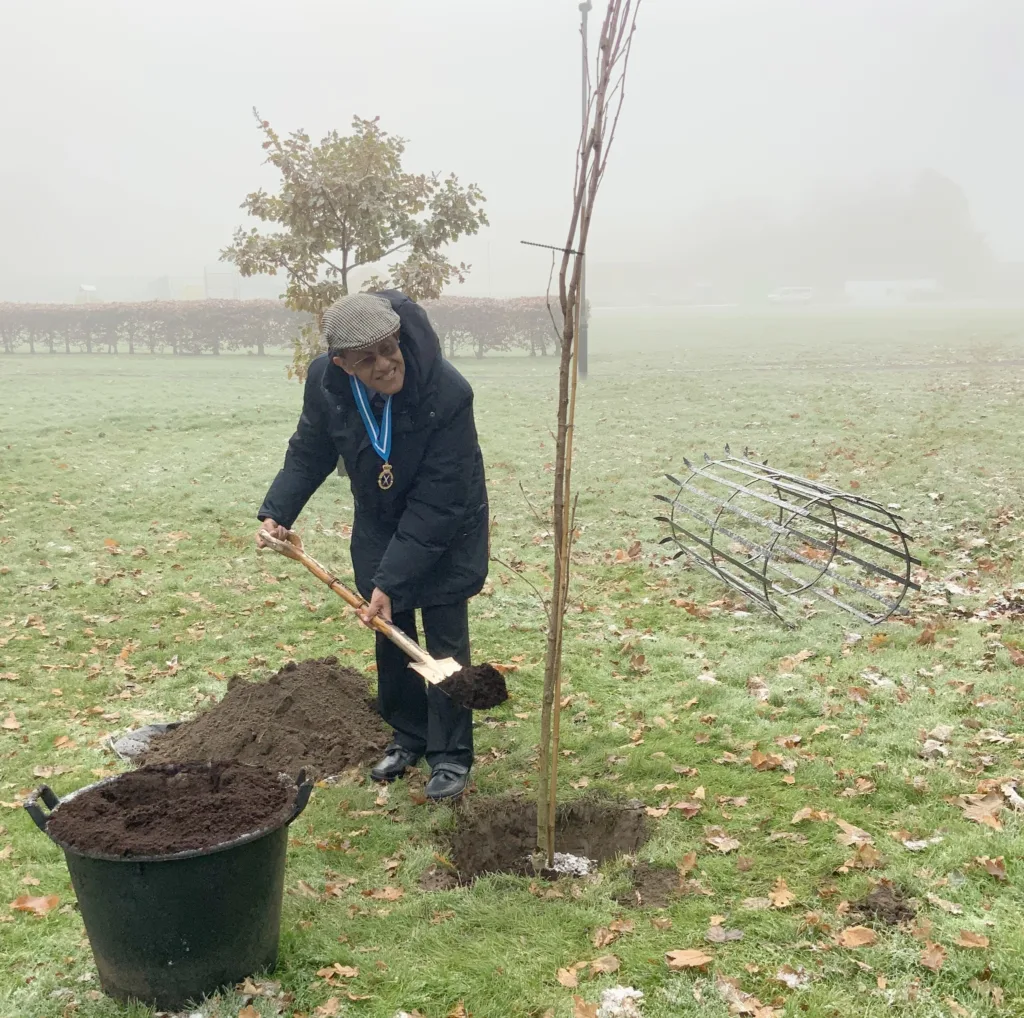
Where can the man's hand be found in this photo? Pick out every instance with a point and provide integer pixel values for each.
(380, 604)
(274, 529)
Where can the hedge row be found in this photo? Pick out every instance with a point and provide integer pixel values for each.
(476, 324)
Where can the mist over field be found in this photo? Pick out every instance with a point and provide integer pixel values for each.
(767, 144)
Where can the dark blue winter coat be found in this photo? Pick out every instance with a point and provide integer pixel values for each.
(424, 541)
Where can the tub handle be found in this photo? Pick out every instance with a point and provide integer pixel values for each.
(31, 804)
(305, 790)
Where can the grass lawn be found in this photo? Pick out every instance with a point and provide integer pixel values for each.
(169, 458)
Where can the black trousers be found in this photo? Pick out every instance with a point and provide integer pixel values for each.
(426, 721)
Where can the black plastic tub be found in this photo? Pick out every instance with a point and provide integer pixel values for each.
(167, 930)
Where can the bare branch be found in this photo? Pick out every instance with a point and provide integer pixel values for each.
(540, 596)
(536, 515)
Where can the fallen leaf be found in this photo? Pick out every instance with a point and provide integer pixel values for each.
(720, 935)
(661, 923)
(384, 893)
(605, 964)
(764, 761)
(459, 1011)
(328, 1008)
(339, 971)
(781, 895)
(933, 956)
(857, 936)
(807, 813)
(794, 978)
(969, 939)
(852, 836)
(686, 864)
(248, 1012)
(569, 977)
(865, 857)
(993, 867)
(719, 840)
(947, 906)
(678, 960)
(958, 1009)
(756, 904)
(36, 905)
(10, 723)
(581, 1009)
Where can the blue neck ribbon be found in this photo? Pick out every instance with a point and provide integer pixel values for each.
(380, 435)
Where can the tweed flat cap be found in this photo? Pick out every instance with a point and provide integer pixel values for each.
(358, 321)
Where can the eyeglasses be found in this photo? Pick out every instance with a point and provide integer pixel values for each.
(386, 348)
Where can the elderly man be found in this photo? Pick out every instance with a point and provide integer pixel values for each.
(400, 418)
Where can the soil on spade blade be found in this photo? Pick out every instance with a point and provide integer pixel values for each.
(499, 835)
(312, 715)
(169, 808)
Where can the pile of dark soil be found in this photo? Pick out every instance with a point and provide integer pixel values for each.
(163, 809)
(311, 715)
(478, 687)
(653, 887)
(499, 835)
(886, 903)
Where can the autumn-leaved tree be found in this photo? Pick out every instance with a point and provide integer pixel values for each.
(346, 203)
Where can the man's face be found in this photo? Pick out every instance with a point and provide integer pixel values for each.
(380, 367)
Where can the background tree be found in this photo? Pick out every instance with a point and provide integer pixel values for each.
(346, 203)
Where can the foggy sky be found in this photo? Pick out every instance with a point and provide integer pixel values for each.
(129, 142)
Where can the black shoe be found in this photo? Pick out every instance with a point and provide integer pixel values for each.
(447, 780)
(397, 760)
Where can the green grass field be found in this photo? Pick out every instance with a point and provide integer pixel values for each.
(170, 457)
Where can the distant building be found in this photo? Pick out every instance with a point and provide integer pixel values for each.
(890, 292)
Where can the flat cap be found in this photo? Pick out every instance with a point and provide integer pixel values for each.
(359, 321)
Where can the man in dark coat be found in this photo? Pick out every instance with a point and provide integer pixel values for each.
(400, 418)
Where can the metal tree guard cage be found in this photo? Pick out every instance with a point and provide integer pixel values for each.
(777, 537)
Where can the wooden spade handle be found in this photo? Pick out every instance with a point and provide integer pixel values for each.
(293, 549)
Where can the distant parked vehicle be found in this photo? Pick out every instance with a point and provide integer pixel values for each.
(792, 295)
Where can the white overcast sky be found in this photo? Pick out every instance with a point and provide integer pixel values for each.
(128, 141)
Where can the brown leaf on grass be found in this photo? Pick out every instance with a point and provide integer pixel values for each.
(781, 895)
(37, 905)
(384, 893)
(865, 857)
(788, 664)
(661, 923)
(758, 688)
(605, 964)
(720, 935)
(808, 813)
(337, 971)
(794, 978)
(656, 811)
(947, 906)
(687, 864)
(764, 761)
(852, 836)
(857, 936)
(993, 867)
(248, 1012)
(719, 840)
(974, 940)
(933, 956)
(981, 808)
(328, 1008)
(10, 723)
(1016, 654)
(459, 1011)
(568, 977)
(679, 960)
(581, 1009)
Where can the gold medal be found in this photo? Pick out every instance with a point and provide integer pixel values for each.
(386, 478)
